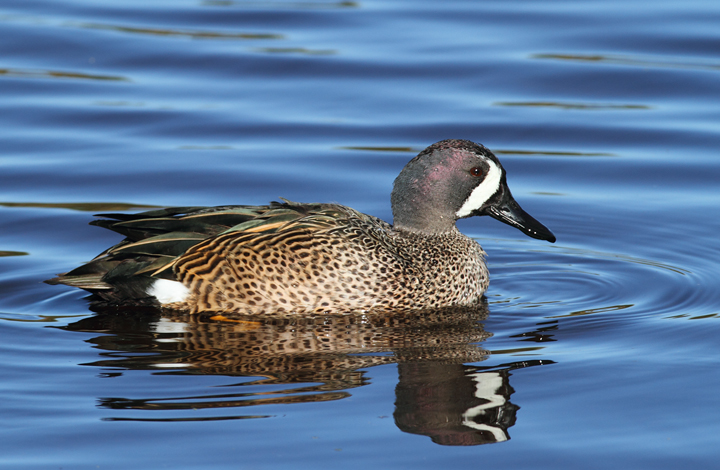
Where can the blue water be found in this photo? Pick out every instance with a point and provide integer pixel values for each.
(599, 351)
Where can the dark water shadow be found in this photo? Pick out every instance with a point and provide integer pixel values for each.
(302, 359)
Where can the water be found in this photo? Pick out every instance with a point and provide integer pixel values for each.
(596, 352)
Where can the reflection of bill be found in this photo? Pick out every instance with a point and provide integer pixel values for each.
(315, 359)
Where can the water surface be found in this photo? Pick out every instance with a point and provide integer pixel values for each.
(596, 352)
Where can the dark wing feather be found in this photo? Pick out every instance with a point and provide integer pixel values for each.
(155, 239)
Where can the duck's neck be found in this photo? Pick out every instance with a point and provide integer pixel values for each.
(422, 198)
(424, 232)
(411, 216)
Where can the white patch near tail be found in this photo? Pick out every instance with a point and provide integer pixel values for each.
(484, 191)
(167, 291)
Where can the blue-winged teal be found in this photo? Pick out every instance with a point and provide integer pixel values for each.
(315, 258)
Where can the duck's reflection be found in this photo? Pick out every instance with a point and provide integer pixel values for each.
(455, 404)
(321, 357)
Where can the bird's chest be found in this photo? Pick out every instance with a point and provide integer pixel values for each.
(445, 272)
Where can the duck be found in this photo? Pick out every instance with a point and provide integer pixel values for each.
(314, 258)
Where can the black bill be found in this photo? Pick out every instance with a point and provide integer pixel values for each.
(508, 211)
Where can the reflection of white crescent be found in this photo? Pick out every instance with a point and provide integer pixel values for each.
(488, 385)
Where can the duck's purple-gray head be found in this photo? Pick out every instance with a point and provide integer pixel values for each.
(454, 179)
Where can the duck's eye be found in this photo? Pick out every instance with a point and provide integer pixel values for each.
(477, 171)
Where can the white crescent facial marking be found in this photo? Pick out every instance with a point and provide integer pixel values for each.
(482, 192)
(167, 291)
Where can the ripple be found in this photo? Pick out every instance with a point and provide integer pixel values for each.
(559, 282)
(586, 253)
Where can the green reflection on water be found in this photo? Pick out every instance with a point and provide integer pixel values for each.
(80, 206)
(25, 73)
(381, 149)
(13, 253)
(628, 60)
(295, 50)
(277, 5)
(553, 153)
(694, 317)
(583, 106)
(181, 33)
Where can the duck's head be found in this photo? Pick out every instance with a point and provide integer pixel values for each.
(454, 179)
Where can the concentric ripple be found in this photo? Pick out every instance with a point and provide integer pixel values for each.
(594, 282)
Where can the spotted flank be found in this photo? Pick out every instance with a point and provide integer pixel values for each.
(291, 258)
